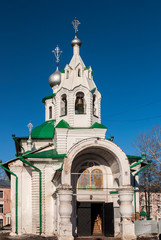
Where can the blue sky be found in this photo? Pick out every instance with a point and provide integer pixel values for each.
(121, 40)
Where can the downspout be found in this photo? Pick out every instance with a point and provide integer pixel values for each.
(38, 170)
(140, 170)
(140, 161)
(14, 138)
(16, 194)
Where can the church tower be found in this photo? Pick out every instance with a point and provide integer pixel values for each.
(75, 97)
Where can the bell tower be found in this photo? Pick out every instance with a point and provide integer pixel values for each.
(75, 97)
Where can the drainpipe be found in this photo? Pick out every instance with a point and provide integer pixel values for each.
(140, 170)
(16, 194)
(38, 170)
(14, 138)
(140, 161)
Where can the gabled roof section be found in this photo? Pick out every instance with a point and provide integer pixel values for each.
(64, 124)
(76, 59)
(52, 153)
(48, 97)
(98, 125)
(45, 130)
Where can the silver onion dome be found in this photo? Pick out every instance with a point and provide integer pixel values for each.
(76, 41)
(55, 78)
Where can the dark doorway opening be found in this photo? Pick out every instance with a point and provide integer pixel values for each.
(95, 219)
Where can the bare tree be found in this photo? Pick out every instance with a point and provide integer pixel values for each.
(150, 179)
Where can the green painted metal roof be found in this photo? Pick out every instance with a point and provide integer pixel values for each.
(98, 125)
(92, 91)
(45, 130)
(64, 124)
(48, 97)
(47, 154)
(133, 157)
(86, 67)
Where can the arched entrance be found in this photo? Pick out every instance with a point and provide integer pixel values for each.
(95, 168)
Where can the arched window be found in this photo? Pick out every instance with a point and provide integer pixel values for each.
(63, 105)
(95, 106)
(80, 103)
(67, 74)
(50, 112)
(79, 72)
(91, 180)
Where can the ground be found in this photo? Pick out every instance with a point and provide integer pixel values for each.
(5, 236)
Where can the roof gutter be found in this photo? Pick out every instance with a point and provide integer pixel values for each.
(140, 161)
(14, 138)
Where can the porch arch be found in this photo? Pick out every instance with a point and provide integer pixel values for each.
(120, 161)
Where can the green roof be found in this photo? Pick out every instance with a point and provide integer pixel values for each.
(133, 157)
(98, 125)
(48, 97)
(46, 154)
(62, 71)
(86, 67)
(64, 124)
(45, 130)
(92, 91)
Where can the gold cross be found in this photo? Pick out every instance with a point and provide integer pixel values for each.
(75, 24)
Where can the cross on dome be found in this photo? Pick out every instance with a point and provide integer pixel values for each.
(57, 54)
(75, 23)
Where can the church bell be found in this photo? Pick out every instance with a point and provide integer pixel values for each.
(79, 106)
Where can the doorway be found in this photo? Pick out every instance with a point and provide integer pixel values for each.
(95, 219)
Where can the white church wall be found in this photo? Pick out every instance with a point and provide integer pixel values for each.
(26, 200)
(49, 199)
(66, 138)
(36, 143)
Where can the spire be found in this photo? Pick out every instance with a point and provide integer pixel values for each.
(76, 43)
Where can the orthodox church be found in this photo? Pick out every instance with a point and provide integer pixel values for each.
(68, 180)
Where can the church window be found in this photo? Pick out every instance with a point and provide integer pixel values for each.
(63, 105)
(67, 76)
(92, 180)
(50, 112)
(80, 103)
(79, 72)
